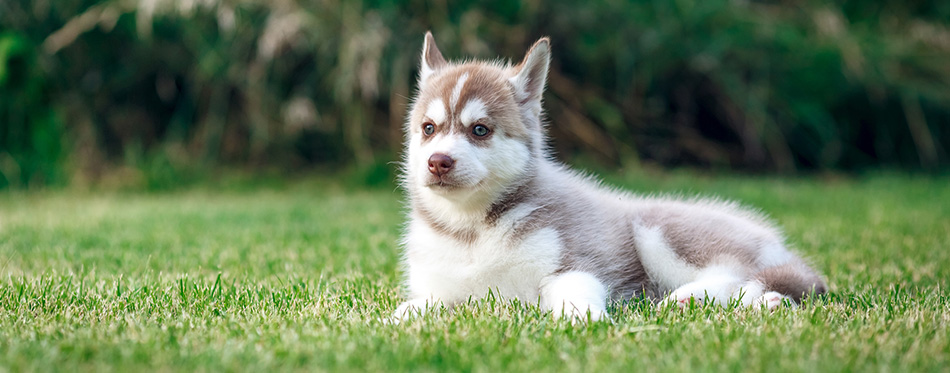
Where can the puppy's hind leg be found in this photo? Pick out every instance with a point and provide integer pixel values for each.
(717, 284)
(576, 295)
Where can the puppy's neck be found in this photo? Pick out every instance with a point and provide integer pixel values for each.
(478, 208)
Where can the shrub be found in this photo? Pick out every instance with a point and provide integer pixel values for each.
(775, 86)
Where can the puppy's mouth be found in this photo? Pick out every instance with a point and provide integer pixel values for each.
(449, 182)
(442, 183)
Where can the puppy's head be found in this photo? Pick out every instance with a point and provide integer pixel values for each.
(475, 127)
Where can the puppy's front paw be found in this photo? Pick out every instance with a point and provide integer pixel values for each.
(576, 295)
(412, 308)
(580, 314)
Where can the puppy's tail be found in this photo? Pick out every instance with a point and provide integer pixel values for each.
(795, 280)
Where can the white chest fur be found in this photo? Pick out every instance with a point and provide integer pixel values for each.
(444, 269)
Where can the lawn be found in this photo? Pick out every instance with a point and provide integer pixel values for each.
(295, 276)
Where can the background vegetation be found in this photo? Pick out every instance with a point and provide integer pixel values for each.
(154, 91)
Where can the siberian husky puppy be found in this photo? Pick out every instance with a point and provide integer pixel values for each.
(492, 211)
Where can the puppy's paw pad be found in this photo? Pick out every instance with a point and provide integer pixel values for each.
(772, 300)
(682, 300)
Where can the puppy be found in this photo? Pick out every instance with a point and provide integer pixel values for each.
(491, 210)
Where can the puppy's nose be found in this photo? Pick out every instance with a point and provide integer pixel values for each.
(440, 164)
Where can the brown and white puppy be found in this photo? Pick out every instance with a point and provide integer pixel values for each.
(492, 211)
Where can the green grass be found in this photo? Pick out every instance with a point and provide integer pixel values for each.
(294, 276)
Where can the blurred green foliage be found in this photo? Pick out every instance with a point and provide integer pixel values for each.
(31, 150)
(151, 89)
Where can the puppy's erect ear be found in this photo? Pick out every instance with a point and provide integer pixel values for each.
(432, 59)
(531, 75)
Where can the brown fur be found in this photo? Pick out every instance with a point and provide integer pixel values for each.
(483, 82)
(506, 202)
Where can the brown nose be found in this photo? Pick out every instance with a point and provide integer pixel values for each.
(440, 164)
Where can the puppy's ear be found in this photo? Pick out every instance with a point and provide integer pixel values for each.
(531, 75)
(432, 59)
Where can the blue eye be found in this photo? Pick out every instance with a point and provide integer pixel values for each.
(480, 130)
(428, 129)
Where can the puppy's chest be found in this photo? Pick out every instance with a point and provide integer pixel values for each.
(451, 269)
